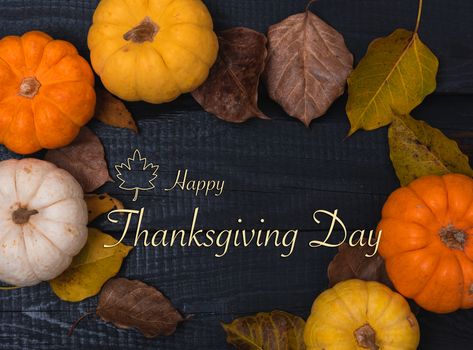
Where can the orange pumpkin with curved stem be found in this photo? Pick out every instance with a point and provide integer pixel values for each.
(46, 92)
(427, 241)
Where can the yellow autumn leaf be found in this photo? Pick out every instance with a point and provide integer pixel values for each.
(417, 149)
(265, 331)
(98, 204)
(394, 77)
(89, 270)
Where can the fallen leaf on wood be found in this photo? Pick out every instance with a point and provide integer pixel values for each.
(89, 270)
(99, 204)
(417, 149)
(308, 65)
(112, 111)
(394, 77)
(267, 331)
(352, 263)
(84, 159)
(134, 304)
(231, 91)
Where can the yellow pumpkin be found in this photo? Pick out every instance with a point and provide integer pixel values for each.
(152, 50)
(357, 315)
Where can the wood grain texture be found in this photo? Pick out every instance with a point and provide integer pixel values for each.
(445, 28)
(275, 169)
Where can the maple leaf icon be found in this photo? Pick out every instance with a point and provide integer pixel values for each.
(137, 174)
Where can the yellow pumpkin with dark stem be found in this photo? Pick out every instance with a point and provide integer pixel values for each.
(152, 50)
(356, 315)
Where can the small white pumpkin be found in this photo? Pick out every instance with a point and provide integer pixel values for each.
(43, 221)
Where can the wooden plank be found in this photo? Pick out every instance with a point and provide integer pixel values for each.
(278, 170)
(446, 29)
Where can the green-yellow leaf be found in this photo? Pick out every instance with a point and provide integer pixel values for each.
(89, 270)
(266, 331)
(394, 77)
(417, 149)
(99, 204)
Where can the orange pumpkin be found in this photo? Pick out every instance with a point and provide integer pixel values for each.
(46, 92)
(427, 241)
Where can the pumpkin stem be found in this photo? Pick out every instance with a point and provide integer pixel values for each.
(452, 237)
(145, 31)
(29, 87)
(21, 216)
(366, 337)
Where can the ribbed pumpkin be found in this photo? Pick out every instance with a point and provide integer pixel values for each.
(152, 50)
(46, 92)
(356, 315)
(427, 241)
(43, 221)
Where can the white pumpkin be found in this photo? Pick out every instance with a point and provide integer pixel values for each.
(43, 221)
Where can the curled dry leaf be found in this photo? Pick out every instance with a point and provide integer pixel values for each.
(134, 304)
(84, 158)
(308, 65)
(352, 263)
(267, 331)
(91, 268)
(231, 91)
(394, 77)
(417, 149)
(99, 204)
(112, 111)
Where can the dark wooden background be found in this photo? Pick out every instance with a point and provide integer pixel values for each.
(278, 170)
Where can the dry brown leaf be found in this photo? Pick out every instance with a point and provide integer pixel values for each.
(84, 158)
(99, 204)
(134, 304)
(308, 65)
(112, 111)
(351, 262)
(266, 331)
(231, 91)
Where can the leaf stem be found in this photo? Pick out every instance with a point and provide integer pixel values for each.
(307, 8)
(419, 15)
(137, 192)
(76, 323)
